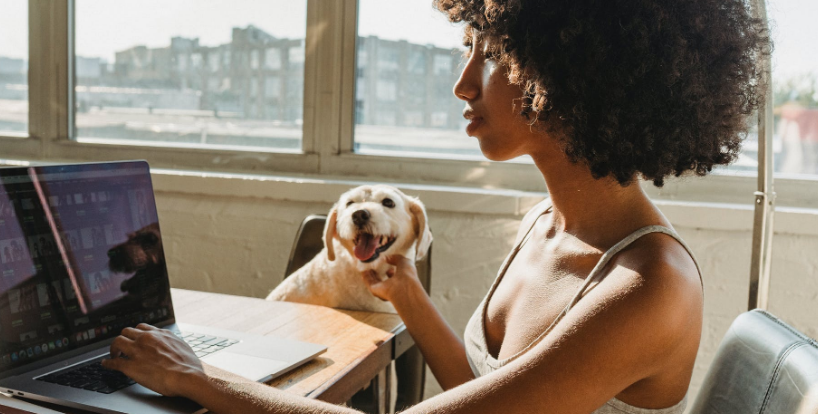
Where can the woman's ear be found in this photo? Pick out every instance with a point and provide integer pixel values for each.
(423, 235)
(330, 232)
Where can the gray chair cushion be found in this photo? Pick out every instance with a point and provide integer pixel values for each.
(763, 366)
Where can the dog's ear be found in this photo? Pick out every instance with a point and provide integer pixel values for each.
(330, 232)
(423, 234)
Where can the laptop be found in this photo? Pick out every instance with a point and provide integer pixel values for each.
(81, 258)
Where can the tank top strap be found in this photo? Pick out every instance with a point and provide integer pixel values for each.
(595, 277)
(541, 208)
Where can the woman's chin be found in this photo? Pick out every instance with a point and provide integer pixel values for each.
(496, 154)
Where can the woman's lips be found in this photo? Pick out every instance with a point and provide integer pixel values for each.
(474, 123)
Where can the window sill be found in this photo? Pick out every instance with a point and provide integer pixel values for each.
(455, 199)
(326, 190)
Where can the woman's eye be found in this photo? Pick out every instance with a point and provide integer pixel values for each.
(387, 202)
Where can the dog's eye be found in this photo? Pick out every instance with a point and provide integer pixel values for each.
(387, 202)
(148, 239)
(349, 203)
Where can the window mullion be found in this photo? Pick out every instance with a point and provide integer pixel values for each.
(327, 27)
(49, 72)
(348, 76)
(308, 138)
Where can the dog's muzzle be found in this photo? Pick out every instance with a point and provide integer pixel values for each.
(368, 247)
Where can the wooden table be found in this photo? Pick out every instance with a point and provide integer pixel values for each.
(360, 345)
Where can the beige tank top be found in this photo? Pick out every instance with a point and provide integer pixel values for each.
(483, 363)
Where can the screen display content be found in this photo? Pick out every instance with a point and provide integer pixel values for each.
(80, 257)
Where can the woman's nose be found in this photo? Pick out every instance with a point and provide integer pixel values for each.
(467, 87)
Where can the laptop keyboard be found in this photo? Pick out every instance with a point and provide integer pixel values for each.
(92, 376)
(204, 344)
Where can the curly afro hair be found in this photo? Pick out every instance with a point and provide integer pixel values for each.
(650, 87)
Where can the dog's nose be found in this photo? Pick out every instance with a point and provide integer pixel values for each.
(360, 217)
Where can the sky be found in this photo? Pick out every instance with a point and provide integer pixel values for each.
(105, 26)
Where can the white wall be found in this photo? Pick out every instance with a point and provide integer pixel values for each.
(234, 236)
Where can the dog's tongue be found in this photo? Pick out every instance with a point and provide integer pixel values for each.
(365, 248)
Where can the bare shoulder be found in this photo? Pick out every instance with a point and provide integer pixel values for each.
(660, 259)
(658, 273)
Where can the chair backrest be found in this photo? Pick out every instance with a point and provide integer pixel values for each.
(763, 366)
(308, 243)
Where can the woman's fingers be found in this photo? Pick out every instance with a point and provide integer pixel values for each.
(154, 358)
(146, 327)
(116, 364)
(131, 333)
(122, 346)
(397, 260)
(373, 282)
(370, 278)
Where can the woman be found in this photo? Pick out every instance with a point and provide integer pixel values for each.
(598, 309)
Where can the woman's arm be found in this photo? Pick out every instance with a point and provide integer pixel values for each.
(164, 363)
(225, 393)
(441, 347)
(627, 330)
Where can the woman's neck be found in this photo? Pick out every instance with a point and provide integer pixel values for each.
(589, 208)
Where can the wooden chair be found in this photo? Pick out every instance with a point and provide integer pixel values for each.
(763, 366)
(410, 366)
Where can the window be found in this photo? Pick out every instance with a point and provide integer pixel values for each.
(443, 64)
(272, 59)
(14, 68)
(795, 86)
(387, 91)
(226, 56)
(189, 81)
(272, 88)
(213, 60)
(406, 71)
(295, 55)
(196, 60)
(183, 93)
(417, 61)
(254, 60)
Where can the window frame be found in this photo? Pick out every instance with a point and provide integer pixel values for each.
(328, 128)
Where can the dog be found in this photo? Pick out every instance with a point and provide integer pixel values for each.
(143, 255)
(367, 224)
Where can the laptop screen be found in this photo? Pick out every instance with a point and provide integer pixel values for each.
(80, 257)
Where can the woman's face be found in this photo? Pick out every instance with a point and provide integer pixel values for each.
(493, 107)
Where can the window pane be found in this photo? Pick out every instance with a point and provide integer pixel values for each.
(795, 86)
(232, 76)
(405, 73)
(14, 67)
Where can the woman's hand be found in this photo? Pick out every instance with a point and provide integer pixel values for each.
(398, 279)
(155, 358)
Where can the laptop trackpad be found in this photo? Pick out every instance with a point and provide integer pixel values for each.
(248, 366)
